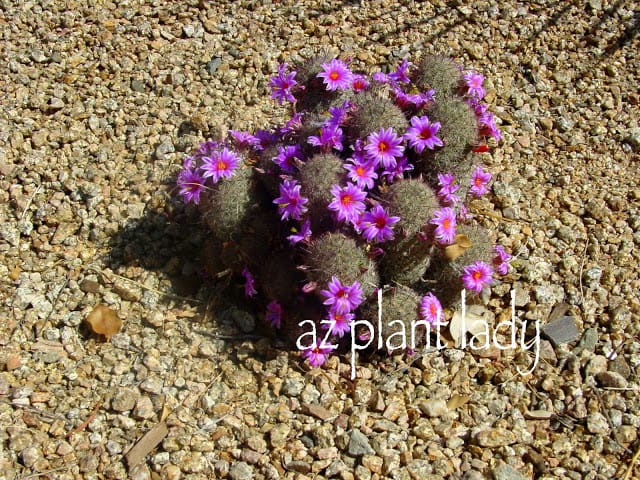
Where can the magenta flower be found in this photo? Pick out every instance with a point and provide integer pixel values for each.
(384, 147)
(417, 100)
(330, 137)
(294, 124)
(191, 185)
(342, 323)
(303, 235)
(422, 134)
(501, 260)
(265, 139)
(380, 77)
(274, 314)
(445, 222)
(377, 225)
(431, 309)
(336, 75)
(316, 355)
(291, 203)
(338, 115)
(282, 83)
(342, 298)
(479, 181)
(477, 276)
(243, 139)
(362, 172)
(359, 83)
(474, 81)
(221, 164)
(446, 194)
(400, 75)
(286, 158)
(397, 172)
(207, 148)
(348, 202)
(488, 126)
(249, 284)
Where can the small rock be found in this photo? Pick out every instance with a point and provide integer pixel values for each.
(143, 408)
(278, 435)
(626, 434)
(495, 437)
(55, 104)
(359, 444)
(596, 365)
(124, 400)
(136, 86)
(507, 472)
(38, 56)
(433, 407)
(611, 379)
(188, 30)
(39, 138)
(373, 463)
(293, 386)
(213, 64)
(597, 423)
(589, 340)
(30, 456)
(560, 331)
(165, 148)
(240, 471)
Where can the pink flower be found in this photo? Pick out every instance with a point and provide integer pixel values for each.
(501, 260)
(446, 194)
(330, 137)
(422, 134)
(191, 185)
(274, 314)
(377, 225)
(359, 83)
(220, 164)
(282, 83)
(291, 203)
(474, 81)
(303, 235)
(348, 202)
(362, 172)
(445, 222)
(384, 147)
(286, 158)
(479, 181)
(336, 75)
(477, 276)
(431, 309)
(342, 322)
(250, 283)
(342, 298)
(316, 355)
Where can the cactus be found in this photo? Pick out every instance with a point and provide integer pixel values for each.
(362, 189)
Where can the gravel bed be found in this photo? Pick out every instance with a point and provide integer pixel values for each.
(100, 102)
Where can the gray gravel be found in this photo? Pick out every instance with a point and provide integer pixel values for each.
(100, 102)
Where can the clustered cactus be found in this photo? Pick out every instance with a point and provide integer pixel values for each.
(361, 191)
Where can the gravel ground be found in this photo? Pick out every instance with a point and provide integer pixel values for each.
(102, 100)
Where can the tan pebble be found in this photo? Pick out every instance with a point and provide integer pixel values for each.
(13, 362)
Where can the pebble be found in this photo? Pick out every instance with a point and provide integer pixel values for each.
(597, 423)
(359, 444)
(278, 435)
(494, 437)
(124, 400)
(433, 407)
(240, 471)
(507, 472)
